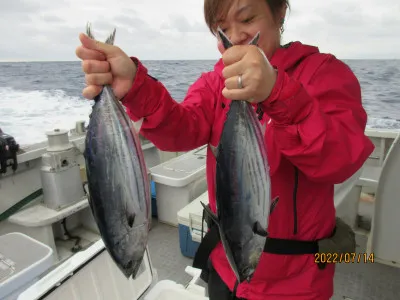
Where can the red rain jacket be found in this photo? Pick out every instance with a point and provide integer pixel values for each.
(315, 138)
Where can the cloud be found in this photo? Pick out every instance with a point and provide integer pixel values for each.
(349, 29)
(181, 24)
(159, 29)
(18, 7)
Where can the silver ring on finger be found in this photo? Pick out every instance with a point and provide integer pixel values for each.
(240, 82)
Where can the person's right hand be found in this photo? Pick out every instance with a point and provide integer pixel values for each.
(105, 64)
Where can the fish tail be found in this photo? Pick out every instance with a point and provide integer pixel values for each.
(89, 30)
(138, 125)
(110, 39)
(227, 43)
(224, 39)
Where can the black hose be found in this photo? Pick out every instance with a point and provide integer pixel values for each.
(77, 247)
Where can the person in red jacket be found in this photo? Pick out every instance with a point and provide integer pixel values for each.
(311, 105)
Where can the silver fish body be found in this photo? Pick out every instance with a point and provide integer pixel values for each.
(242, 188)
(119, 193)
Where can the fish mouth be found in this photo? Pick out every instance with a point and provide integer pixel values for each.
(131, 269)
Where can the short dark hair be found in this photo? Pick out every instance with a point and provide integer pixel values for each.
(213, 7)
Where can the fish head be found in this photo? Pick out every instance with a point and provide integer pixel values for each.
(128, 250)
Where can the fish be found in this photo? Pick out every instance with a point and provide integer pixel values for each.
(118, 181)
(242, 180)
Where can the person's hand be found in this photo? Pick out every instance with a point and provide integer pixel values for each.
(258, 76)
(105, 64)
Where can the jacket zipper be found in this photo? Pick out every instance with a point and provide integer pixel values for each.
(296, 183)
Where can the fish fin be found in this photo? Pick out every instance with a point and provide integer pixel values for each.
(131, 219)
(210, 213)
(138, 124)
(258, 229)
(89, 32)
(264, 128)
(214, 150)
(273, 204)
(224, 241)
(130, 215)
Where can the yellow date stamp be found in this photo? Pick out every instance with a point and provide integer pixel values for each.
(347, 257)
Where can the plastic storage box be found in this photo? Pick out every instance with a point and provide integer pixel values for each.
(22, 261)
(178, 182)
(189, 219)
(91, 274)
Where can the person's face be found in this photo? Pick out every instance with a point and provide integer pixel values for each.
(245, 18)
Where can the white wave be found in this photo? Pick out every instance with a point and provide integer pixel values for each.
(383, 123)
(27, 115)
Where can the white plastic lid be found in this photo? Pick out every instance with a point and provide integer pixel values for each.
(181, 170)
(21, 259)
(191, 215)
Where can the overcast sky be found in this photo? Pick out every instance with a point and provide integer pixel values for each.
(175, 29)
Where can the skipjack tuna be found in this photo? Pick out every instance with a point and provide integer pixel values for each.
(119, 193)
(242, 186)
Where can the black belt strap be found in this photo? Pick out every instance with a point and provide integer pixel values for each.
(272, 245)
(282, 246)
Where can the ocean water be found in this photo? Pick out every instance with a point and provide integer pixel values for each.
(39, 96)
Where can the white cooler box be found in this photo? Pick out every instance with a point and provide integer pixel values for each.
(22, 261)
(92, 274)
(178, 182)
(189, 219)
(170, 290)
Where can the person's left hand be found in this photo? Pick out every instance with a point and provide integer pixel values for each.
(258, 76)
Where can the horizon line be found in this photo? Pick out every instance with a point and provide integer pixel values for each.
(187, 59)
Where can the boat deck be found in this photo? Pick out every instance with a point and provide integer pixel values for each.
(352, 281)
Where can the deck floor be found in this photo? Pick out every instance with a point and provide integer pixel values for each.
(352, 281)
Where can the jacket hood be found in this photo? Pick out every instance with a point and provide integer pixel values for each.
(285, 57)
